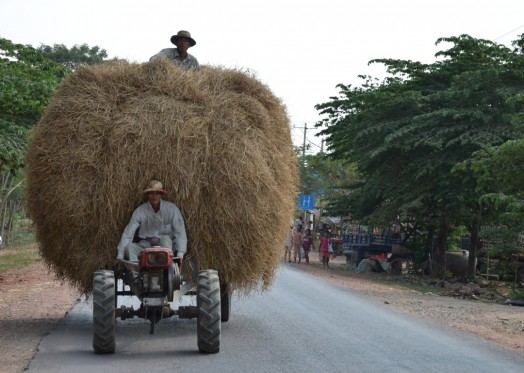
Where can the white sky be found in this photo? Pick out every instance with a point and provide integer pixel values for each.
(300, 48)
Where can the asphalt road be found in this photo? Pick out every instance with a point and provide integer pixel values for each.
(304, 324)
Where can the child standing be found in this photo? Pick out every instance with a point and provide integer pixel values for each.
(307, 244)
(324, 249)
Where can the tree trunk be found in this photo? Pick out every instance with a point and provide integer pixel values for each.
(5, 183)
(429, 241)
(473, 249)
(442, 247)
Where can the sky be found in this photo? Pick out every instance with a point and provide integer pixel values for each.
(301, 49)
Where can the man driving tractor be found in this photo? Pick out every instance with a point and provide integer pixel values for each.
(159, 223)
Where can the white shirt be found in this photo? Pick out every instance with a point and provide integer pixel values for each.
(188, 63)
(167, 221)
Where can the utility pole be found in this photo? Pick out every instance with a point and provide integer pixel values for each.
(304, 146)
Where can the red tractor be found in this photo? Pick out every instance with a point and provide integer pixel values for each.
(157, 280)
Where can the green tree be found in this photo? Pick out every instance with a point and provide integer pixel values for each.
(501, 180)
(27, 80)
(77, 55)
(407, 132)
(327, 179)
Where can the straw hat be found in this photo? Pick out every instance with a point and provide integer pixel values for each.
(155, 186)
(183, 34)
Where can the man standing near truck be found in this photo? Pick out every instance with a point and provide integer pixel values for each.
(159, 223)
(179, 55)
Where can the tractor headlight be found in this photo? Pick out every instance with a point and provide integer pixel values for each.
(156, 259)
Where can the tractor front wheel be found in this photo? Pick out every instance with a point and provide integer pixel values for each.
(104, 312)
(208, 304)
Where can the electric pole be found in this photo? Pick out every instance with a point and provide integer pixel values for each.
(304, 146)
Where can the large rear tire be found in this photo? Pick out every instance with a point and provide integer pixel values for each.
(104, 312)
(208, 304)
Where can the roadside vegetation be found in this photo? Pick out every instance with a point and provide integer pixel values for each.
(22, 250)
(436, 149)
(28, 78)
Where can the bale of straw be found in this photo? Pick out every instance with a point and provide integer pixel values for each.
(218, 139)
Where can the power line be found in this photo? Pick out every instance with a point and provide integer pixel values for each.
(509, 32)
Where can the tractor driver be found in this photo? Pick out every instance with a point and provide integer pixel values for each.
(159, 223)
(179, 55)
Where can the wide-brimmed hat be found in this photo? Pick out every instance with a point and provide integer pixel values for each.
(155, 186)
(183, 34)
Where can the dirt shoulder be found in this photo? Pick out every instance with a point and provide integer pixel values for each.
(32, 302)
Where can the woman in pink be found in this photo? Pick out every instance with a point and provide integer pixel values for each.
(324, 249)
(307, 244)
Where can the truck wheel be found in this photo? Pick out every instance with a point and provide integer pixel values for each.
(208, 304)
(104, 312)
(225, 302)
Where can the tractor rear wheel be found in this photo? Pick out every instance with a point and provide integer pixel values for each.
(104, 312)
(208, 304)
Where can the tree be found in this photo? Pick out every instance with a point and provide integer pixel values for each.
(77, 55)
(501, 181)
(407, 132)
(28, 78)
(327, 179)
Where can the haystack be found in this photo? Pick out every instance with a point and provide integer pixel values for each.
(218, 139)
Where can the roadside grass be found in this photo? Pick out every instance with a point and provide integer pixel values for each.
(404, 283)
(21, 252)
(426, 284)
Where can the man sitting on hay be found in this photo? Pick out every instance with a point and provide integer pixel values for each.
(179, 55)
(159, 223)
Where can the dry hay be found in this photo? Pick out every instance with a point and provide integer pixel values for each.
(218, 139)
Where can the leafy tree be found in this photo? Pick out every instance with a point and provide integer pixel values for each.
(501, 179)
(407, 132)
(327, 179)
(27, 80)
(77, 55)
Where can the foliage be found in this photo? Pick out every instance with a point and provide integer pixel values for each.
(27, 80)
(326, 178)
(77, 55)
(408, 132)
(501, 178)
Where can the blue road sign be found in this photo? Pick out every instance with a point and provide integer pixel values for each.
(306, 202)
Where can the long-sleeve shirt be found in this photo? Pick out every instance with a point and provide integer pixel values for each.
(188, 63)
(167, 221)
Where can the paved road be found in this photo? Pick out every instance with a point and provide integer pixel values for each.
(304, 324)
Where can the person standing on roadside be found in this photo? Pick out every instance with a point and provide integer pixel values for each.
(307, 244)
(297, 243)
(288, 244)
(324, 249)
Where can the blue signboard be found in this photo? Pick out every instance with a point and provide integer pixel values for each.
(306, 202)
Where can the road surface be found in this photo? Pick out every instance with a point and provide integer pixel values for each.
(304, 324)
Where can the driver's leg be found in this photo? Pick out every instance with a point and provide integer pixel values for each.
(165, 241)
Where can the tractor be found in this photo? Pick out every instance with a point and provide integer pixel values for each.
(156, 279)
